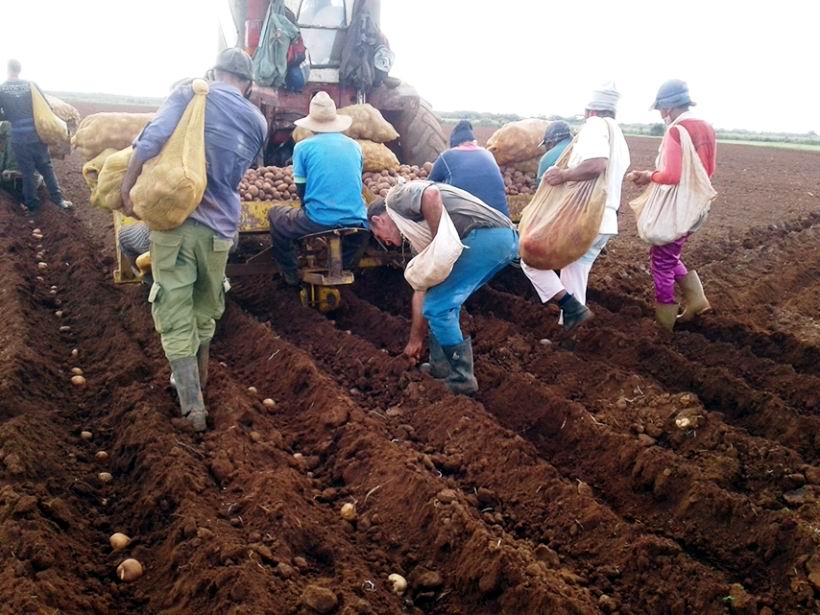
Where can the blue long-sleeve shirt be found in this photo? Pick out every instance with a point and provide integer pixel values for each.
(473, 169)
(235, 131)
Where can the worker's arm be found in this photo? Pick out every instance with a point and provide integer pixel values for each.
(131, 175)
(588, 169)
(672, 156)
(300, 191)
(418, 327)
(431, 208)
(440, 171)
(153, 138)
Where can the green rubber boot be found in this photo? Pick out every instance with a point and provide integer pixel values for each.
(461, 379)
(437, 366)
(191, 403)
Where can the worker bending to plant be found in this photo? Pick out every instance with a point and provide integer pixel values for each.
(676, 203)
(188, 262)
(460, 244)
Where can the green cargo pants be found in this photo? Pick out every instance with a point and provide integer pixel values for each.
(188, 294)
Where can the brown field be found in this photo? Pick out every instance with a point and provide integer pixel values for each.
(563, 487)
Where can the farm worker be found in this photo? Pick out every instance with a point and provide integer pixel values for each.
(599, 148)
(31, 153)
(556, 139)
(188, 262)
(472, 168)
(673, 103)
(490, 243)
(327, 171)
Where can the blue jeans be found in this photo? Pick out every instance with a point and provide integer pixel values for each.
(487, 251)
(33, 157)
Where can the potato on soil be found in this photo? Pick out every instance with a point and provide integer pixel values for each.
(129, 570)
(119, 541)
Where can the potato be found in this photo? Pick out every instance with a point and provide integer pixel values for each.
(129, 570)
(253, 190)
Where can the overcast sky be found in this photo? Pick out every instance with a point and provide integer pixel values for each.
(749, 64)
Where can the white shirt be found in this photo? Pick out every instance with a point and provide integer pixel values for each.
(593, 142)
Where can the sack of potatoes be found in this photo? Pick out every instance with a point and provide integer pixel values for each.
(518, 141)
(109, 130)
(368, 123)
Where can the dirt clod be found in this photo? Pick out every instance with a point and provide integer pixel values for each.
(320, 599)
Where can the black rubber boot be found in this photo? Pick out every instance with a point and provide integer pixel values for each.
(461, 379)
(202, 357)
(191, 403)
(437, 366)
(573, 312)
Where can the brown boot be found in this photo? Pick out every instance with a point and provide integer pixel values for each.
(666, 315)
(694, 299)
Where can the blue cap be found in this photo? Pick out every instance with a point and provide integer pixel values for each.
(461, 133)
(557, 131)
(674, 93)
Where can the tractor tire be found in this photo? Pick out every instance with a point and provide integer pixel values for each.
(422, 138)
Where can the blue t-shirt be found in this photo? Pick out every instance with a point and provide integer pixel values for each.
(473, 169)
(330, 166)
(551, 157)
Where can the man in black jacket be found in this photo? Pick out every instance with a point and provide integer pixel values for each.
(31, 153)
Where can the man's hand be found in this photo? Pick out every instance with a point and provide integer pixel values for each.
(555, 176)
(413, 349)
(640, 178)
(128, 205)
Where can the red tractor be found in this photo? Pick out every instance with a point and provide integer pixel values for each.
(324, 27)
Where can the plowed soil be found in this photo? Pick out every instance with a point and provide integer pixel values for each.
(569, 484)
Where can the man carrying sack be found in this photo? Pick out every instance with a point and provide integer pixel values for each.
(676, 202)
(599, 151)
(31, 152)
(327, 171)
(188, 262)
(460, 244)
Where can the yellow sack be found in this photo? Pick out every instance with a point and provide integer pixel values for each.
(368, 123)
(172, 183)
(92, 168)
(102, 131)
(518, 141)
(378, 157)
(107, 194)
(50, 128)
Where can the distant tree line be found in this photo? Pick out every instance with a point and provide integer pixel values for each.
(496, 120)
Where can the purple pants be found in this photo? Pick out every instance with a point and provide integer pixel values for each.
(666, 268)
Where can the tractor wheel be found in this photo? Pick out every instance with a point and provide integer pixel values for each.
(422, 138)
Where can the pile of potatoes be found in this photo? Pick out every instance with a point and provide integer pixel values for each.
(379, 183)
(518, 182)
(276, 183)
(268, 184)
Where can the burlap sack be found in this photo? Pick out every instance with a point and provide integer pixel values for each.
(107, 194)
(665, 213)
(378, 157)
(518, 141)
(172, 183)
(92, 168)
(63, 110)
(102, 131)
(52, 130)
(368, 123)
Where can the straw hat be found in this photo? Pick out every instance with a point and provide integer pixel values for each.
(323, 116)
